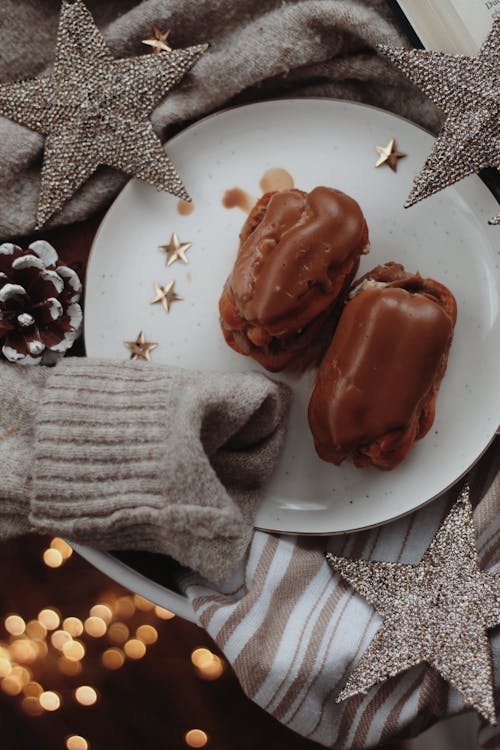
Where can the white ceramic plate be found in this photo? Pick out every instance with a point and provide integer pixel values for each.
(320, 142)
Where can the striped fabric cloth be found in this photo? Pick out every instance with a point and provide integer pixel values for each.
(293, 631)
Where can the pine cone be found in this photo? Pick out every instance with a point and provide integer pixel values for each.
(39, 310)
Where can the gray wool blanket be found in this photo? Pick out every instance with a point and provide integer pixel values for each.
(258, 49)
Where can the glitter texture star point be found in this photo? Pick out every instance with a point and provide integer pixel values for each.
(175, 250)
(140, 348)
(94, 110)
(436, 611)
(466, 89)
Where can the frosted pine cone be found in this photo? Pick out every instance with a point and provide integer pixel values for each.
(39, 312)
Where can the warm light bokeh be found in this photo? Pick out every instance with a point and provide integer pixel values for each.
(73, 626)
(212, 671)
(11, 685)
(49, 700)
(201, 657)
(134, 649)
(196, 738)
(76, 742)
(5, 667)
(124, 607)
(32, 689)
(163, 614)
(36, 631)
(73, 650)
(69, 667)
(103, 612)
(61, 546)
(147, 634)
(118, 632)
(59, 638)
(85, 695)
(24, 650)
(14, 625)
(144, 605)
(113, 658)
(31, 706)
(52, 558)
(49, 619)
(95, 627)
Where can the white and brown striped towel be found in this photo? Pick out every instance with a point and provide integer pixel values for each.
(293, 631)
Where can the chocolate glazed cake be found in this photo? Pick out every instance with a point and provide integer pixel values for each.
(378, 382)
(298, 255)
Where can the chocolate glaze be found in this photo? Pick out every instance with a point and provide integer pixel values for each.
(302, 237)
(381, 365)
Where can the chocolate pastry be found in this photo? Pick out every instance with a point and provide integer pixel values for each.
(298, 255)
(377, 386)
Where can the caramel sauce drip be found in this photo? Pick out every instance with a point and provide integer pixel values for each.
(276, 178)
(184, 208)
(382, 360)
(299, 240)
(238, 198)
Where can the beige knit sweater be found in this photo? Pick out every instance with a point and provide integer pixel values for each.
(135, 456)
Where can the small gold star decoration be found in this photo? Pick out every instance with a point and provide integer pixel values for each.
(93, 110)
(437, 611)
(175, 250)
(389, 155)
(158, 40)
(140, 348)
(166, 295)
(466, 89)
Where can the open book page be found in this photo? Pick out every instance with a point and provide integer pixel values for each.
(454, 26)
(477, 16)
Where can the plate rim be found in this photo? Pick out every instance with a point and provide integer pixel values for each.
(485, 195)
(266, 102)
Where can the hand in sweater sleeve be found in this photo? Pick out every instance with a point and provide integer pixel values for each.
(133, 456)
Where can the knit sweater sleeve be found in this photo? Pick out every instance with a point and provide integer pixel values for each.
(126, 455)
(20, 391)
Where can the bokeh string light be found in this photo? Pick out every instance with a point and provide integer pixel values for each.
(36, 650)
(86, 695)
(196, 738)
(76, 742)
(208, 665)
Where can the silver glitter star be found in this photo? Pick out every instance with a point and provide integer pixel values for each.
(436, 611)
(94, 110)
(467, 90)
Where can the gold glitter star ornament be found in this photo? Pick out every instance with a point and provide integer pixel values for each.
(389, 155)
(436, 611)
(94, 111)
(158, 42)
(140, 348)
(467, 90)
(166, 295)
(176, 250)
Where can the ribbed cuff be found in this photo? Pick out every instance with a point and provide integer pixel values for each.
(132, 456)
(100, 443)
